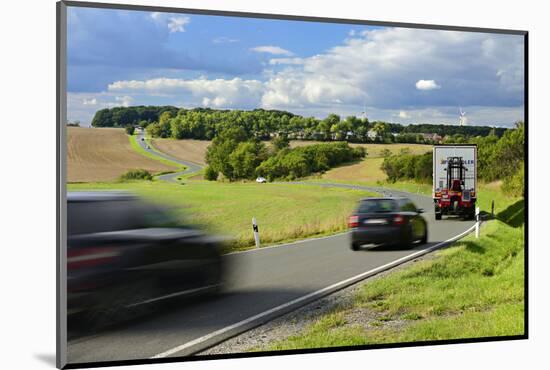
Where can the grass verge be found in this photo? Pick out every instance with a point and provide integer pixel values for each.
(285, 212)
(135, 145)
(473, 289)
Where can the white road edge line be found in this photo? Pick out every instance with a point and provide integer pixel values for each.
(183, 292)
(307, 296)
(289, 244)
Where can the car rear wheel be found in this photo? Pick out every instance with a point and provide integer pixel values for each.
(408, 240)
(355, 246)
(438, 216)
(424, 239)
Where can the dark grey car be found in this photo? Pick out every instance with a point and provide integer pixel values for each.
(395, 221)
(124, 254)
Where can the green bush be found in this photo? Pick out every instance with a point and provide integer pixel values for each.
(294, 163)
(515, 185)
(138, 174)
(130, 130)
(408, 167)
(210, 174)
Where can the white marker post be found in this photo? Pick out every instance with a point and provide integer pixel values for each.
(256, 233)
(477, 222)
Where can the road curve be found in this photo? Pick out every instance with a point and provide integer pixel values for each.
(266, 283)
(170, 177)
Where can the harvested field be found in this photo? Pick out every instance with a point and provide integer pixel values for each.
(374, 150)
(186, 149)
(103, 154)
(368, 170)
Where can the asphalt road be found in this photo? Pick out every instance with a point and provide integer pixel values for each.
(171, 177)
(265, 283)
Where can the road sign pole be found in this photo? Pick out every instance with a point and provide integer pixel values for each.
(256, 232)
(477, 222)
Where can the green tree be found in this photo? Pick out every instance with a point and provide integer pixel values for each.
(218, 153)
(245, 158)
(280, 142)
(210, 174)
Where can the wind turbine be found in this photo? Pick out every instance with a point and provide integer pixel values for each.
(462, 120)
(364, 113)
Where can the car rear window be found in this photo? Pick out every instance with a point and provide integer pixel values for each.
(104, 216)
(93, 217)
(377, 206)
(407, 206)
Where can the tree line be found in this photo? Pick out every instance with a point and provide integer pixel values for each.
(498, 159)
(236, 155)
(206, 124)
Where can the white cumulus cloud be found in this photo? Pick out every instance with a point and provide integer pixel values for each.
(269, 49)
(125, 100)
(427, 85)
(226, 93)
(92, 101)
(294, 61)
(177, 24)
(156, 15)
(403, 114)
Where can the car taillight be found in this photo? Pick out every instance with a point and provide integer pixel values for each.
(88, 257)
(399, 220)
(353, 221)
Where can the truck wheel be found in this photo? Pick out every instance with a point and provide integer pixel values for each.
(438, 216)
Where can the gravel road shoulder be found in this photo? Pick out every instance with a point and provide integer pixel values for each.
(295, 322)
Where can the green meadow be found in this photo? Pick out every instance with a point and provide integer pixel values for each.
(284, 212)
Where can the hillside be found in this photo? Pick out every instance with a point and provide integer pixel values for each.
(186, 149)
(103, 154)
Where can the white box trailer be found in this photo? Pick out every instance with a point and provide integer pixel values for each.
(455, 180)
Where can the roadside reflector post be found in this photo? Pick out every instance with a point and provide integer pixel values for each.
(256, 232)
(477, 222)
(493, 209)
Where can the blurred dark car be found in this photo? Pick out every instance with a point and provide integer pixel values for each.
(394, 221)
(125, 254)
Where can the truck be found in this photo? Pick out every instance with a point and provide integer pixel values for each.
(455, 180)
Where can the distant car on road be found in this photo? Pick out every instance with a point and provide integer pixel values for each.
(142, 139)
(261, 180)
(123, 254)
(394, 221)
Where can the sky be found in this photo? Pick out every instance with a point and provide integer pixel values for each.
(401, 75)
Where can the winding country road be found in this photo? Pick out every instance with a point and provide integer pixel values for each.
(170, 177)
(265, 283)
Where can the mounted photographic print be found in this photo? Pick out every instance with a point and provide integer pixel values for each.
(235, 184)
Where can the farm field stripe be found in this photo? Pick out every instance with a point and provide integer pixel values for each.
(257, 319)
